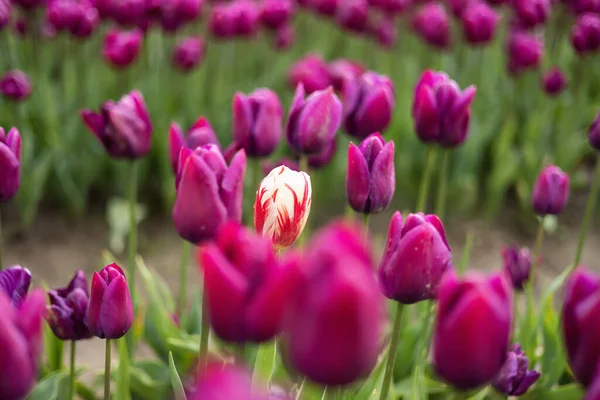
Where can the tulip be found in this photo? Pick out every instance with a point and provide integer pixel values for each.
(5, 13)
(525, 51)
(268, 166)
(312, 72)
(121, 48)
(10, 163)
(238, 18)
(282, 206)
(199, 134)
(431, 22)
(472, 328)
(284, 37)
(313, 122)
(29, 4)
(554, 82)
(385, 31)
(257, 122)
(15, 85)
(175, 13)
(530, 13)
(326, 8)
(188, 53)
(550, 192)
(128, 12)
(208, 192)
(593, 392)
(342, 72)
(593, 133)
(585, 34)
(84, 21)
(221, 21)
(67, 309)
(275, 14)
(123, 128)
(416, 257)
(322, 159)
(441, 111)
(220, 383)
(14, 283)
(391, 6)
(517, 264)
(515, 377)
(479, 23)
(109, 313)
(353, 15)
(21, 329)
(368, 104)
(60, 13)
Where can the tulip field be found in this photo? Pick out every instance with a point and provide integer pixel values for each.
(269, 133)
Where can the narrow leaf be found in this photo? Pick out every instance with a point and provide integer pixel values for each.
(175, 380)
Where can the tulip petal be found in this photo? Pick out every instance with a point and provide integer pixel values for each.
(383, 180)
(176, 142)
(93, 312)
(375, 111)
(13, 141)
(30, 321)
(15, 282)
(437, 223)
(232, 186)
(242, 120)
(267, 126)
(394, 234)
(291, 128)
(357, 180)
(426, 114)
(95, 122)
(116, 311)
(319, 121)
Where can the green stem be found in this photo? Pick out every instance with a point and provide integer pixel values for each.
(107, 371)
(183, 272)
(132, 245)
(539, 240)
(589, 211)
(442, 193)
(264, 365)
(72, 370)
(1, 247)
(391, 356)
(303, 163)
(366, 225)
(424, 188)
(204, 333)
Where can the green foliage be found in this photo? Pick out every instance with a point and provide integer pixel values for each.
(176, 380)
(54, 386)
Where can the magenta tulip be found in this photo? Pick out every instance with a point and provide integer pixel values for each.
(10, 163)
(525, 51)
(479, 23)
(585, 34)
(121, 48)
(432, 24)
(15, 85)
(276, 14)
(188, 53)
(550, 192)
(517, 264)
(515, 378)
(68, 308)
(199, 134)
(554, 82)
(343, 71)
(312, 72)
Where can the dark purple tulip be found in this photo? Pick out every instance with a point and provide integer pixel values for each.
(313, 122)
(343, 71)
(221, 383)
(175, 13)
(479, 23)
(550, 192)
(312, 72)
(21, 27)
(268, 166)
(322, 159)
(221, 22)
(594, 133)
(128, 12)
(369, 103)
(416, 257)
(517, 264)
(275, 14)
(385, 32)
(515, 378)
(530, 13)
(15, 85)
(353, 15)
(29, 4)
(284, 37)
(60, 14)
(123, 128)
(472, 328)
(585, 34)
(10, 163)
(109, 313)
(14, 283)
(208, 192)
(199, 134)
(5, 13)
(441, 111)
(238, 18)
(432, 24)
(257, 120)
(247, 288)
(121, 48)
(581, 318)
(336, 317)
(68, 308)
(391, 6)
(85, 20)
(21, 345)
(584, 6)
(457, 7)
(326, 8)
(554, 82)
(525, 51)
(188, 53)
(370, 179)
(593, 391)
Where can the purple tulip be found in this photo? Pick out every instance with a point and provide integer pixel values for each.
(517, 264)
(60, 14)
(579, 7)
(199, 134)
(284, 37)
(530, 13)
(431, 22)
(68, 308)
(336, 317)
(342, 72)
(14, 283)
(525, 51)
(238, 18)
(391, 6)
(15, 85)
(385, 31)
(257, 120)
(275, 14)
(472, 328)
(29, 4)
(313, 122)
(268, 166)
(85, 19)
(5, 13)
(21, 329)
(479, 23)
(370, 180)
(10, 163)
(175, 13)
(441, 111)
(585, 34)
(515, 377)
(593, 134)
(229, 382)
(554, 82)
(353, 15)
(312, 72)
(188, 53)
(326, 8)
(593, 391)
(128, 12)
(208, 192)
(121, 48)
(416, 257)
(322, 159)
(550, 192)
(123, 128)
(109, 313)
(580, 324)
(247, 289)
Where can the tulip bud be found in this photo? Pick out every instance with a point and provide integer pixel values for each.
(554, 82)
(479, 23)
(67, 309)
(313, 122)
(60, 13)
(121, 48)
(322, 159)
(199, 134)
(343, 71)
(188, 53)
(284, 37)
(391, 6)
(29, 4)
(337, 313)
(431, 22)
(85, 19)
(441, 111)
(593, 134)
(110, 310)
(268, 166)
(237, 18)
(368, 104)
(326, 8)
(10, 163)
(14, 283)
(517, 264)
(175, 13)
(5, 13)
(208, 192)
(128, 12)
(593, 392)
(312, 72)
(385, 31)
(229, 382)
(276, 14)
(474, 320)
(525, 51)
(515, 377)
(531, 13)
(15, 85)
(123, 128)
(282, 206)
(550, 192)
(257, 121)
(585, 34)
(415, 259)
(353, 15)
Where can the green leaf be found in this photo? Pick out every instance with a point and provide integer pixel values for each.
(54, 349)
(192, 320)
(54, 386)
(481, 395)
(375, 380)
(175, 380)
(567, 392)
(553, 358)
(122, 389)
(264, 364)
(150, 380)
(84, 391)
